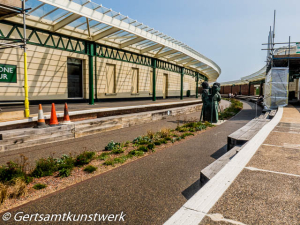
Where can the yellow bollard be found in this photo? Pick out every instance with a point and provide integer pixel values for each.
(26, 102)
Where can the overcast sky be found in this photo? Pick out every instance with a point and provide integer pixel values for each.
(230, 32)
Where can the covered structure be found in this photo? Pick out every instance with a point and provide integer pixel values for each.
(80, 50)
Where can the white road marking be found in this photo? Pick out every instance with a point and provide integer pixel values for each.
(270, 171)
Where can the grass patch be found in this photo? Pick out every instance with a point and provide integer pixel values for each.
(39, 186)
(90, 169)
(84, 158)
(103, 156)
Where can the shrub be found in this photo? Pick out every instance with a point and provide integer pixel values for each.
(18, 189)
(168, 138)
(182, 129)
(165, 132)
(163, 141)
(151, 146)
(141, 140)
(112, 145)
(175, 135)
(3, 193)
(39, 186)
(90, 169)
(10, 171)
(120, 159)
(143, 149)
(66, 162)
(103, 156)
(126, 144)
(84, 158)
(135, 153)
(45, 167)
(108, 162)
(150, 134)
(173, 140)
(185, 135)
(178, 139)
(117, 151)
(64, 172)
(192, 129)
(157, 143)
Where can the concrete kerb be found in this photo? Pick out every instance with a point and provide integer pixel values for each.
(61, 115)
(194, 210)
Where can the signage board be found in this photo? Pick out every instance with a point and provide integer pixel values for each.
(8, 73)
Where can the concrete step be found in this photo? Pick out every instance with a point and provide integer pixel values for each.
(210, 171)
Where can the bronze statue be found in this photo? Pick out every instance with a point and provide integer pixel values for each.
(210, 102)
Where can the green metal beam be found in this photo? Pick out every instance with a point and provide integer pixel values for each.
(91, 74)
(181, 83)
(197, 82)
(153, 79)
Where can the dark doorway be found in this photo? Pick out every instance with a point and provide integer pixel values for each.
(74, 78)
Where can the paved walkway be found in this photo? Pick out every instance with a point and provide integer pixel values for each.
(148, 190)
(267, 191)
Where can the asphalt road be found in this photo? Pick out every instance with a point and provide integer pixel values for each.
(148, 190)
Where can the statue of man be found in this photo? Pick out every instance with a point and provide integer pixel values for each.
(206, 100)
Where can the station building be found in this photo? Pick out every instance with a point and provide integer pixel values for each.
(80, 51)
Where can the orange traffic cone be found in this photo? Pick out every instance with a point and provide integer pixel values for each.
(53, 118)
(66, 115)
(41, 120)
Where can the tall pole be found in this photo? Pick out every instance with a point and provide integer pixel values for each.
(91, 76)
(153, 79)
(181, 83)
(26, 102)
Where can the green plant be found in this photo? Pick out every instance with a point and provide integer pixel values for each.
(64, 172)
(39, 186)
(157, 143)
(185, 135)
(11, 171)
(151, 146)
(126, 144)
(192, 129)
(143, 149)
(135, 153)
(112, 145)
(103, 156)
(165, 132)
(90, 169)
(45, 167)
(163, 141)
(175, 135)
(117, 151)
(108, 162)
(121, 159)
(66, 162)
(168, 138)
(84, 158)
(141, 140)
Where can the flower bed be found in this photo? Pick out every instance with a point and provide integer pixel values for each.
(19, 184)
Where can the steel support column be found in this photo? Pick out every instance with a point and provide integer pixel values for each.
(154, 79)
(91, 73)
(181, 83)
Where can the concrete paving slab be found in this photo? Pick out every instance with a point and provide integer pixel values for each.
(260, 198)
(290, 115)
(282, 139)
(285, 160)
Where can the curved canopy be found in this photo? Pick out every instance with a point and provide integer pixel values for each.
(87, 20)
